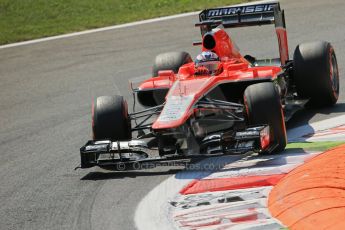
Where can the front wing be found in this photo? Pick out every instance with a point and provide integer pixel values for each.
(107, 153)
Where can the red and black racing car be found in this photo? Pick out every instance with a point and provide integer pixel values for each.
(220, 103)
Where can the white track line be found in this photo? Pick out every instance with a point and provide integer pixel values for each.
(100, 29)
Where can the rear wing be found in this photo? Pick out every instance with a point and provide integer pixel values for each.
(245, 15)
(264, 13)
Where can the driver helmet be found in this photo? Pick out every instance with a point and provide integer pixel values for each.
(208, 60)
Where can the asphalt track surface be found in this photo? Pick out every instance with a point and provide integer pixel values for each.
(45, 100)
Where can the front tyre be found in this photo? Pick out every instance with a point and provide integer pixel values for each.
(170, 61)
(263, 106)
(110, 119)
(316, 73)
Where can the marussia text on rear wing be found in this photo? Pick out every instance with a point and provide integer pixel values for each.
(264, 13)
(246, 15)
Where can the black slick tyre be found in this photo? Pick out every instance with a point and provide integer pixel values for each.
(110, 119)
(316, 73)
(263, 106)
(170, 61)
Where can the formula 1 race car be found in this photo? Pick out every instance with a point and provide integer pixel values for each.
(220, 103)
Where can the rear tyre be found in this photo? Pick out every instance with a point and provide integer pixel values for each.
(263, 106)
(170, 61)
(316, 73)
(110, 119)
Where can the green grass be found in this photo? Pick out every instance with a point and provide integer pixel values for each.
(28, 19)
(317, 146)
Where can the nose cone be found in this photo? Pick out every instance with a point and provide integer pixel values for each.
(175, 112)
(180, 100)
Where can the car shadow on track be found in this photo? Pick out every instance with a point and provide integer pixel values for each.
(95, 176)
(244, 166)
(304, 116)
(203, 168)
